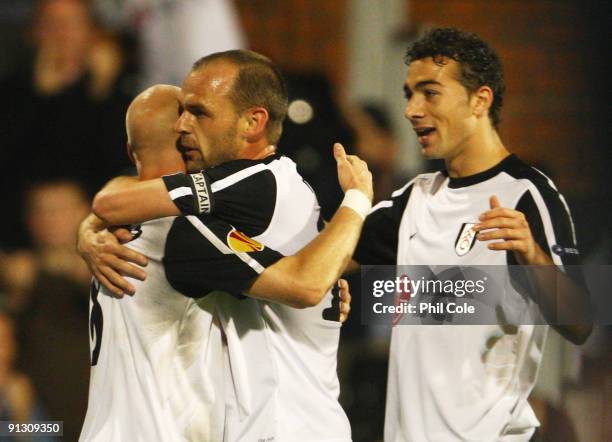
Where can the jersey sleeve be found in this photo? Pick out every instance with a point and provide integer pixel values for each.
(379, 238)
(552, 228)
(190, 193)
(240, 192)
(204, 254)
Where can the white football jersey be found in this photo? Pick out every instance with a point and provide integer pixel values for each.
(157, 365)
(463, 382)
(281, 380)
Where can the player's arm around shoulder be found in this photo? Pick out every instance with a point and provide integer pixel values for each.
(303, 279)
(108, 260)
(127, 200)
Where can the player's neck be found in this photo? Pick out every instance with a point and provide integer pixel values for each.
(258, 151)
(480, 152)
(157, 172)
(148, 170)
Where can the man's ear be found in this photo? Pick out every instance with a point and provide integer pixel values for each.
(130, 152)
(482, 100)
(255, 122)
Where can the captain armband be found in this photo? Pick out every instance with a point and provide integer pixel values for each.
(190, 193)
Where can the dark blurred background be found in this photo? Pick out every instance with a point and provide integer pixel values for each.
(70, 68)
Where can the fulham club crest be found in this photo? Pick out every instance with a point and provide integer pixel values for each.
(466, 239)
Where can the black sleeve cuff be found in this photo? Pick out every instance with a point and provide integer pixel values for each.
(190, 193)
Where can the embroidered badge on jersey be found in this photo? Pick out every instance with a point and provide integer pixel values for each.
(562, 251)
(466, 239)
(240, 243)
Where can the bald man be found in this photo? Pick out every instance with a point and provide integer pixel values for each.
(160, 352)
(156, 357)
(151, 141)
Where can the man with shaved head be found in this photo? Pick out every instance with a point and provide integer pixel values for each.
(155, 356)
(151, 140)
(198, 254)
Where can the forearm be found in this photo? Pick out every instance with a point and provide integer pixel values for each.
(321, 263)
(126, 200)
(563, 302)
(352, 267)
(303, 279)
(91, 224)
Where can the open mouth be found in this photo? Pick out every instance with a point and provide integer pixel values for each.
(423, 134)
(424, 131)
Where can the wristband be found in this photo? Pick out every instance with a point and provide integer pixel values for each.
(356, 200)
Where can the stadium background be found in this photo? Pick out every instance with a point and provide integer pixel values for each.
(343, 58)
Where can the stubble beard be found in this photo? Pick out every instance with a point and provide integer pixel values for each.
(195, 166)
(223, 148)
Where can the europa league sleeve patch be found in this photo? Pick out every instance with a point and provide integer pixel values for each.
(240, 243)
(190, 193)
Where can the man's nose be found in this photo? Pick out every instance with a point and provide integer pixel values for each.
(414, 108)
(182, 123)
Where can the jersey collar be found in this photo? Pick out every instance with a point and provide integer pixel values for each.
(464, 181)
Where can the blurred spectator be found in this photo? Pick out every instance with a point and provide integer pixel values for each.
(48, 287)
(68, 47)
(17, 273)
(13, 15)
(16, 393)
(52, 216)
(175, 33)
(53, 213)
(376, 144)
(65, 117)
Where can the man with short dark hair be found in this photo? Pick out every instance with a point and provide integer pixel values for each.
(470, 382)
(258, 81)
